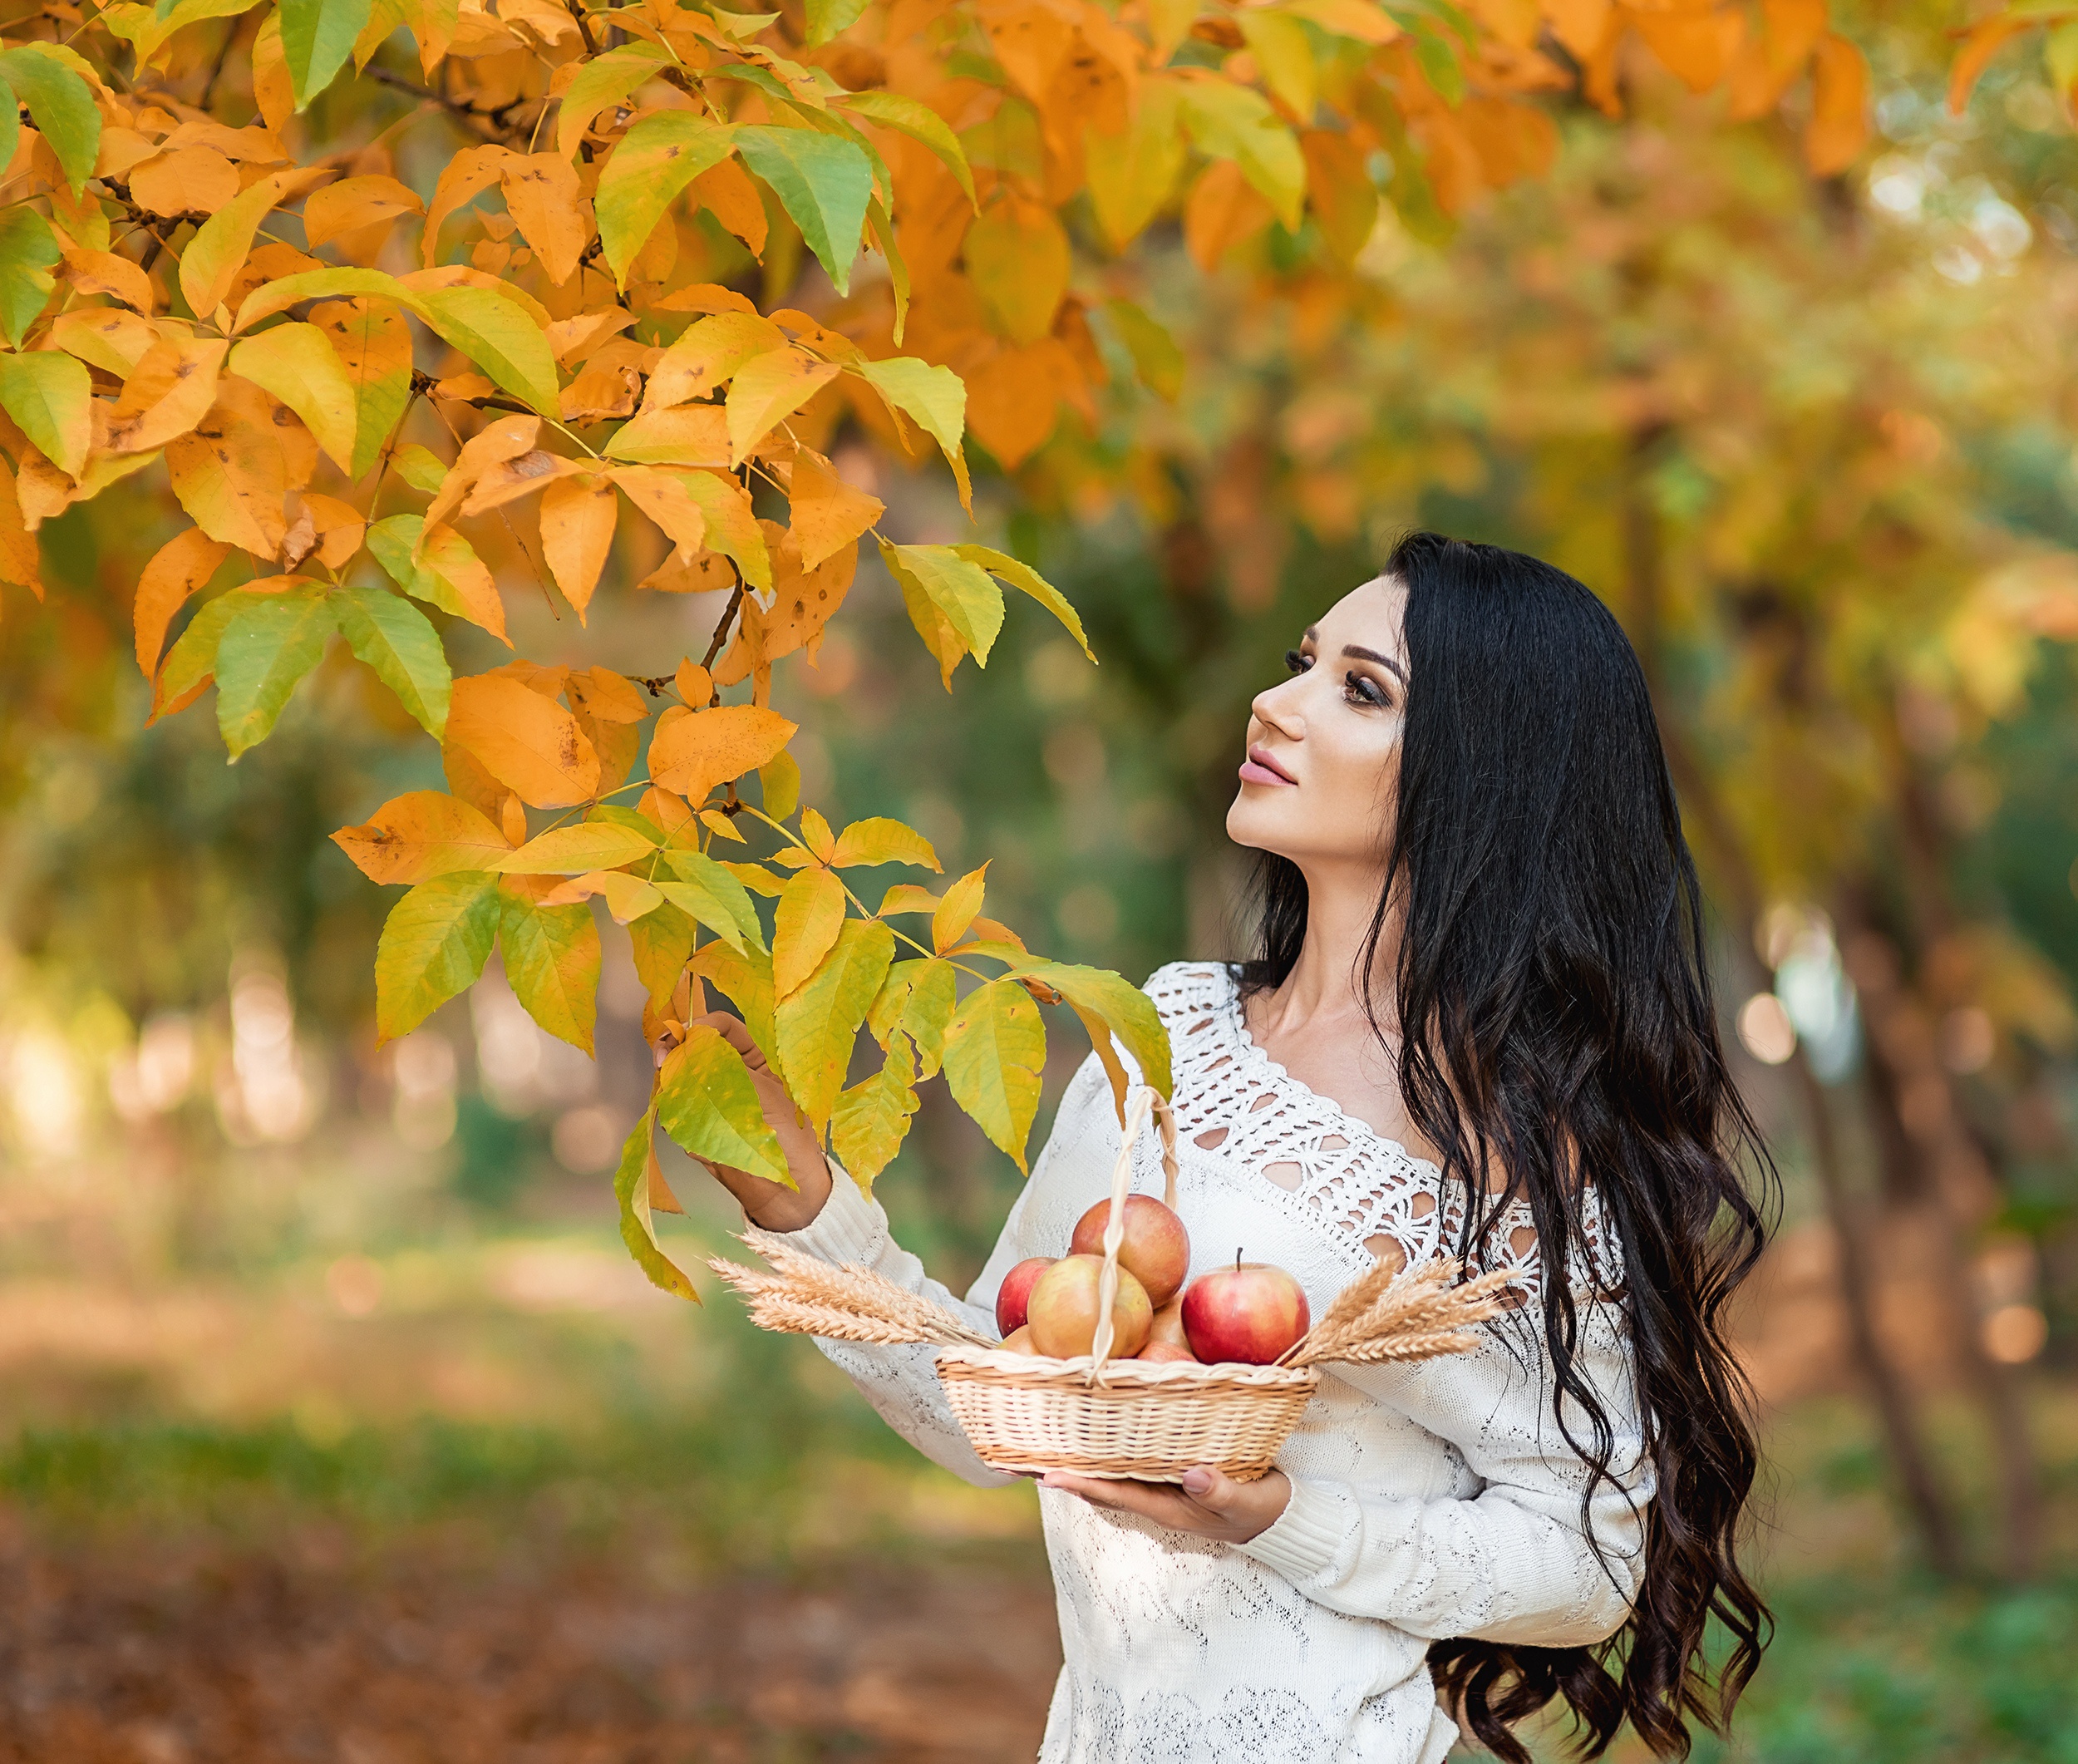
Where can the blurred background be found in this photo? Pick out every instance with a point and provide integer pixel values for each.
(339, 1426)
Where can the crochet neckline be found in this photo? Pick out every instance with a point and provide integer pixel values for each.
(1237, 1020)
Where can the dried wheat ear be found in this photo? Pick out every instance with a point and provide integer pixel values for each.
(802, 1296)
(1392, 1314)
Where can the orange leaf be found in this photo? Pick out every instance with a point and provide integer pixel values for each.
(1223, 209)
(189, 180)
(526, 742)
(104, 272)
(466, 177)
(492, 445)
(828, 514)
(356, 204)
(181, 566)
(669, 503)
(168, 393)
(578, 515)
(1980, 43)
(233, 469)
(726, 190)
(339, 527)
(694, 750)
(1839, 128)
(423, 834)
(1697, 48)
(544, 198)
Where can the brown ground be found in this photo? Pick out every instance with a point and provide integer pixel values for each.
(129, 1651)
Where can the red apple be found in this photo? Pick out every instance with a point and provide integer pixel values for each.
(1169, 1326)
(1063, 1312)
(1249, 1313)
(1019, 1340)
(1156, 1249)
(1015, 1293)
(1164, 1351)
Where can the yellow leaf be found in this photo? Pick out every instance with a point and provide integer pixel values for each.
(1132, 175)
(462, 180)
(768, 389)
(421, 835)
(572, 851)
(956, 912)
(827, 513)
(1282, 51)
(808, 920)
(686, 435)
(907, 897)
(709, 1105)
(374, 347)
(543, 196)
(180, 567)
(1017, 258)
(880, 840)
(527, 742)
(105, 272)
(693, 751)
(917, 999)
(578, 515)
(729, 524)
(636, 1187)
(168, 393)
(551, 956)
(995, 1050)
(356, 204)
(817, 1024)
(628, 898)
(105, 338)
(298, 364)
(709, 351)
(213, 257)
(233, 469)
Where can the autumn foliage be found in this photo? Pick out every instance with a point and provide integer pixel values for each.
(379, 408)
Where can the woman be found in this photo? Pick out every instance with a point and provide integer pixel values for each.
(1479, 1022)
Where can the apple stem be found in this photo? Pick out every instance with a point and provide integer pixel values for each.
(1236, 1261)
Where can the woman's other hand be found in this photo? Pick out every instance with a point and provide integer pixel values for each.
(771, 1206)
(1211, 1503)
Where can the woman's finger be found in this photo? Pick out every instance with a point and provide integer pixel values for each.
(1150, 1501)
(733, 1032)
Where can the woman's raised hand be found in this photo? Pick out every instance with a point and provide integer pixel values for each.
(771, 1205)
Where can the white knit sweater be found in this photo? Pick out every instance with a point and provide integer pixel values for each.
(1438, 1499)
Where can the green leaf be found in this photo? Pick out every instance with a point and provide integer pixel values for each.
(62, 106)
(1227, 121)
(714, 897)
(603, 80)
(552, 958)
(881, 224)
(1156, 359)
(390, 542)
(963, 592)
(995, 1050)
(817, 1024)
(298, 364)
(498, 336)
(709, 1107)
(433, 944)
(52, 396)
(271, 298)
(318, 36)
(1129, 1012)
(827, 18)
(920, 123)
(655, 159)
(572, 851)
(639, 1229)
(270, 643)
(1025, 577)
(10, 132)
(400, 644)
(193, 657)
(27, 250)
(781, 782)
(822, 181)
(745, 979)
(917, 999)
(422, 468)
(872, 1118)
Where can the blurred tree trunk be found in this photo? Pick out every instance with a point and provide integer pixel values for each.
(1932, 1515)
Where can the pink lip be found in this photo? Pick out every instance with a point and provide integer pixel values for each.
(1260, 768)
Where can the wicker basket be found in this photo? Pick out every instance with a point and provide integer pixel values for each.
(1121, 1419)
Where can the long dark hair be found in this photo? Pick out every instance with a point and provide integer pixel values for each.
(1553, 1000)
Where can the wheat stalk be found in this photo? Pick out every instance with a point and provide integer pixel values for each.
(1392, 1314)
(844, 1301)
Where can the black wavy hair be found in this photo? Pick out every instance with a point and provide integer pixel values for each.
(1553, 1000)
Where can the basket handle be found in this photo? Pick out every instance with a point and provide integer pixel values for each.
(1146, 1101)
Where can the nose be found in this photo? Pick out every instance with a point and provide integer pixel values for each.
(1277, 707)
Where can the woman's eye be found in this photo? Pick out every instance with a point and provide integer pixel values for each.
(1363, 690)
(1297, 663)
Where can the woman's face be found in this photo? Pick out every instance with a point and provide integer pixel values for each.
(1319, 783)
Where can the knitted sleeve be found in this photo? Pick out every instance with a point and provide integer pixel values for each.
(1520, 1561)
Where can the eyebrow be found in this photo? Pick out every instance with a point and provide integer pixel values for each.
(1358, 653)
